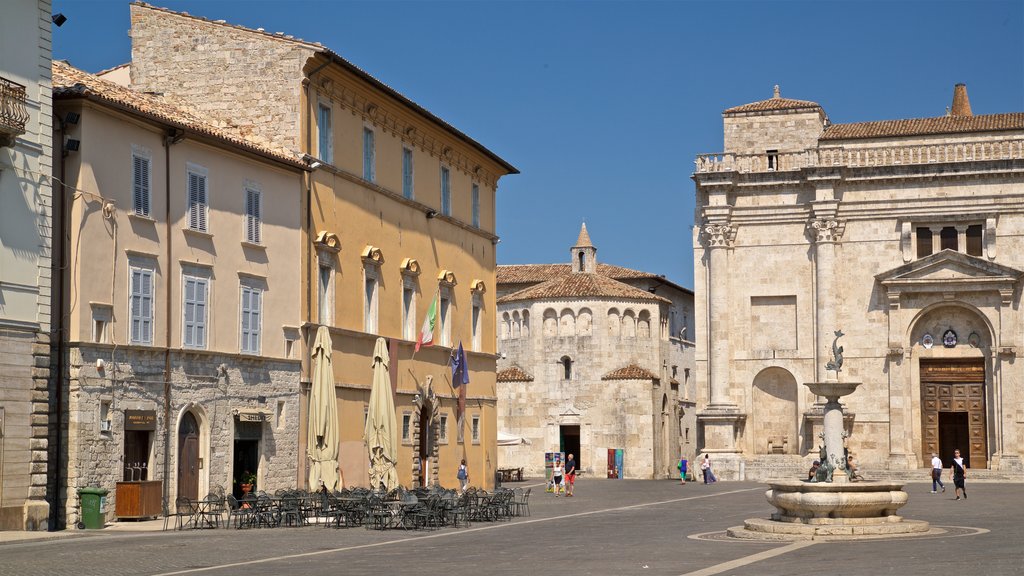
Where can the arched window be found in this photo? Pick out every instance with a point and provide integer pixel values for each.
(583, 262)
(566, 368)
(526, 324)
(505, 325)
(643, 325)
(516, 324)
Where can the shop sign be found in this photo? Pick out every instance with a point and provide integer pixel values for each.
(140, 420)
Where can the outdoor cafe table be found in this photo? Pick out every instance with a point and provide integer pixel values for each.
(205, 514)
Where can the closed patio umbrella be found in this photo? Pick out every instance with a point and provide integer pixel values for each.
(381, 424)
(322, 429)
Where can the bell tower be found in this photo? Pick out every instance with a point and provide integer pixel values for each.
(584, 254)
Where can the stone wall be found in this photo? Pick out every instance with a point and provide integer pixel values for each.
(248, 80)
(212, 386)
(785, 131)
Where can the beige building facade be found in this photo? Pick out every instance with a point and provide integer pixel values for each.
(903, 234)
(25, 209)
(398, 213)
(595, 358)
(179, 302)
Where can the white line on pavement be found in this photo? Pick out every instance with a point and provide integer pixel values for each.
(444, 535)
(740, 562)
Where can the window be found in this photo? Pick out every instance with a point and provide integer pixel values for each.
(476, 428)
(442, 429)
(566, 368)
(773, 159)
(408, 309)
(406, 427)
(442, 317)
(326, 143)
(446, 191)
(252, 308)
(140, 182)
(370, 300)
(253, 215)
(197, 201)
(476, 205)
(289, 346)
(324, 292)
(974, 239)
(965, 238)
(194, 305)
(141, 306)
(947, 238)
(407, 173)
(102, 315)
(369, 170)
(476, 328)
(105, 416)
(924, 242)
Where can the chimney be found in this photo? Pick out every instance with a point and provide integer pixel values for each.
(961, 105)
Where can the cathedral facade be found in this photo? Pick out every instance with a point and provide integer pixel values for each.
(905, 236)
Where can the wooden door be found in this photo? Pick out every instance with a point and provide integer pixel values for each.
(953, 411)
(188, 457)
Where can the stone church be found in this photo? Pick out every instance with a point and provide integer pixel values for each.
(904, 234)
(594, 358)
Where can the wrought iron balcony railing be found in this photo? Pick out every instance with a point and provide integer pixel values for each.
(13, 112)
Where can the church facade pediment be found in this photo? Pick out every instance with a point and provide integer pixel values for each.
(950, 271)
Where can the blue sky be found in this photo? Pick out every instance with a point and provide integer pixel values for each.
(604, 105)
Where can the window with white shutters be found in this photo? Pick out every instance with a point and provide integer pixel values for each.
(194, 326)
(326, 136)
(252, 308)
(253, 215)
(407, 173)
(140, 184)
(197, 202)
(443, 319)
(369, 160)
(446, 191)
(141, 306)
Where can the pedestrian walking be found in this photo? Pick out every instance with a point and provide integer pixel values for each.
(937, 468)
(556, 477)
(959, 472)
(682, 470)
(570, 475)
(705, 468)
(463, 476)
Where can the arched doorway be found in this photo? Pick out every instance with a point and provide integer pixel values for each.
(188, 457)
(774, 412)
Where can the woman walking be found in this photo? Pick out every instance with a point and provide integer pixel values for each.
(959, 472)
(463, 476)
(556, 477)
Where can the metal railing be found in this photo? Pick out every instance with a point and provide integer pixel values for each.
(1010, 149)
(13, 112)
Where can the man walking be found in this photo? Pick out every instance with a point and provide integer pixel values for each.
(937, 474)
(570, 476)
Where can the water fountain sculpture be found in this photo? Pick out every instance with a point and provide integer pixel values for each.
(835, 504)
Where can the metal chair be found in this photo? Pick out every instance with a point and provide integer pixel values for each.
(182, 514)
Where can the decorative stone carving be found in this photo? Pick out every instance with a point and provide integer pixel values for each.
(719, 235)
(447, 278)
(827, 229)
(372, 255)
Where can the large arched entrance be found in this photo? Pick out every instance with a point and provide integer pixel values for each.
(188, 457)
(773, 425)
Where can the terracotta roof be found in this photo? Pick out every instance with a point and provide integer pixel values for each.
(772, 104)
(925, 126)
(631, 372)
(533, 273)
(514, 374)
(351, 67)
(70, 82)
(581, 285)
(584, 238)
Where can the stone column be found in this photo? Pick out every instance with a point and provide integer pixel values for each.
(827, 233)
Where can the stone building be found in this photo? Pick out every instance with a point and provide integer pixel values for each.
(904, 234)
(399, 212)
(178, 299)
(25, 200)
(595, 358)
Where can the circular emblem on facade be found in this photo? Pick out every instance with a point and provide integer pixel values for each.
(974, 340)
(927, 341)
(949, 338)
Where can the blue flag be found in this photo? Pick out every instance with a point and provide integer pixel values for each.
(460, 371)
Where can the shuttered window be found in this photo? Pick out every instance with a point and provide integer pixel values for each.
(446, 191)
(476, 205)
(140, 184)
(326, 142)
(369, 160)
(194, 326)
(141, 306)
(407, 173)
(252, 308)
(253, 215)
(197, 202)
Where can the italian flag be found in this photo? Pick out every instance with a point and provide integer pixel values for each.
(427, 331)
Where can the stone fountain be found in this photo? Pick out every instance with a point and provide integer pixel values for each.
(837, 504)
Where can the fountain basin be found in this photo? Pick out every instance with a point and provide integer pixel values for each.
(834, 502)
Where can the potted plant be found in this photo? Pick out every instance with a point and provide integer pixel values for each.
(247, 481)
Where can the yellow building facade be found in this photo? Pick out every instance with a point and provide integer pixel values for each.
(399, 212)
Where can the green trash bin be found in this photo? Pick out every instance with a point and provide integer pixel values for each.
(92, 504)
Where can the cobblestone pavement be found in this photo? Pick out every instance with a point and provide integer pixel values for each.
(610, 528)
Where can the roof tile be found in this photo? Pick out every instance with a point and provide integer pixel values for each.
(925, 126)
(580, 285)
(631, 372)
(514, 374)
(773, 104)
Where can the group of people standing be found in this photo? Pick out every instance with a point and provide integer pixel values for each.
(705, 469)
(563, 479)
(957, 473)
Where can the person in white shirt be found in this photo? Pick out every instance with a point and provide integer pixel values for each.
(556, 477)
(937, 474)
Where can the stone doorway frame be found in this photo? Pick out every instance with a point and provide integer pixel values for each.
(951, 386)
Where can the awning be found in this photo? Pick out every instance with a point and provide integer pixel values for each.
(506, 439)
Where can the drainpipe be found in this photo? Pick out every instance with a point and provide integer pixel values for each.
(58, 332)
(173, 137)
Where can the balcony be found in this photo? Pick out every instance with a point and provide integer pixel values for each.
(1008, 149)
(13, 113)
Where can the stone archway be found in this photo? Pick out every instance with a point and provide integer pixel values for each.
(773, 424)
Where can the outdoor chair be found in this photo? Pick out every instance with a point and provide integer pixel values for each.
(237, 511)
(182, 513)
(522, 502)
(290, 511)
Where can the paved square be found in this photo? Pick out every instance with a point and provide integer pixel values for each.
(650, 528)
